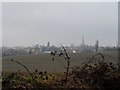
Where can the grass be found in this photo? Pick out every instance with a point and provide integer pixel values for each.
(44, 62)
(95, 72)
(87, 70)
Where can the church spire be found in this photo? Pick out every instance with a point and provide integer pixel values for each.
(83, 41)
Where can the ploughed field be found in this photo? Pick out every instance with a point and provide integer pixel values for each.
(44, 62)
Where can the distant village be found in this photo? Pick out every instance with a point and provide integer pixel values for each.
(48, 48)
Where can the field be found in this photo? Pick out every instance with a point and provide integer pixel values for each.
(44, 62)
(43, 71)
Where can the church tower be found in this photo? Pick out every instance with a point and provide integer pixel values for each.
(83, 41)
(48, 44)
(83, 46)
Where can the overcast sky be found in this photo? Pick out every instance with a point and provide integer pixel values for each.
(0, 24)
(59, 23)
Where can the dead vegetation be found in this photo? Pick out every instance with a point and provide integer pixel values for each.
(95, 73)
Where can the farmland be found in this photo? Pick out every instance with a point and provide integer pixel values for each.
(46, 71)
(44, 62)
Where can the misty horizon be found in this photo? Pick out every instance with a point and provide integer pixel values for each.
(59, 45)
(26, 24)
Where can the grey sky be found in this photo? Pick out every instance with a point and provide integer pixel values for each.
(66, 23)
(0, 24)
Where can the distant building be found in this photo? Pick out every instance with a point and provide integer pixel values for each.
(74, 51)
(48, 46)
(47, 51)
(83, 42)
(83, 47)
(97, 46)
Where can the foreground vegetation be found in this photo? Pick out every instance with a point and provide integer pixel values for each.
(96, 72)
(100, 75)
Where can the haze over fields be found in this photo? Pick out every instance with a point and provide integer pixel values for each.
(31, 23)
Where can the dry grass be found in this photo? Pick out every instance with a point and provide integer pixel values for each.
(95, 72)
